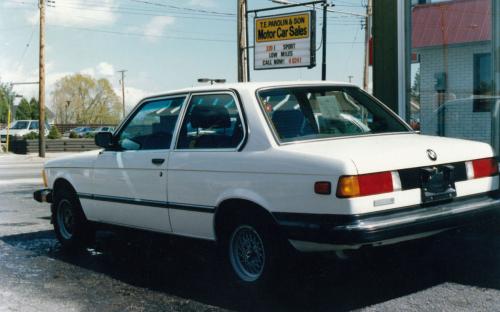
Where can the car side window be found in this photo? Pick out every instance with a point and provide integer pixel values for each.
(34, 125)
(212, 121)
(152, 126)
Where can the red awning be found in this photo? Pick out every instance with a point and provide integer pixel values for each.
(451, 22)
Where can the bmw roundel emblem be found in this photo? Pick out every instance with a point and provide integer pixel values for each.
(432, 155)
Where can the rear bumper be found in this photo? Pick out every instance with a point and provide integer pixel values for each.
(43, 196)
(367, 229)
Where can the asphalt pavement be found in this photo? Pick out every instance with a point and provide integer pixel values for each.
(134, 271)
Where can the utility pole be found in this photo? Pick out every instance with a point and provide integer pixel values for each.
(123, 90)
(323, 58)
(242, 41)
(41, 81)
(368, 32)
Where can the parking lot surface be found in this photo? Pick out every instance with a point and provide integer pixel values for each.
(458, 271)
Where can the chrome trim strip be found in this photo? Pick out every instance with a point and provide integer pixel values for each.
(149, 203)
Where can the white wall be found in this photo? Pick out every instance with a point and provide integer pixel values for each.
(460, 120)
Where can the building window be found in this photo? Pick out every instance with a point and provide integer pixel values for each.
(483, 82)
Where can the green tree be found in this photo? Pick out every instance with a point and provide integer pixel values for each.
(23, 110)
(28, 110)
(91, 101)
(6, 97)
(54, 133)
(35, 113)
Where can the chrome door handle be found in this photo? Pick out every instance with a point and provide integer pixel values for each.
(158, 161)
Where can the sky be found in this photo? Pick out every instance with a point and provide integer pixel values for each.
(163, 44)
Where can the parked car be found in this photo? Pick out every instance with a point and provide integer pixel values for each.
(80, 132)
(262, 167)
(22, 127)
(102, 129)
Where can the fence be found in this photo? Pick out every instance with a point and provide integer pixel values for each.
(73, 145)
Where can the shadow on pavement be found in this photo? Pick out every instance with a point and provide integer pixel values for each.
(189, 269)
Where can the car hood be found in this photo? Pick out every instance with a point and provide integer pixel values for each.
(14, 131)
(377, 153)
(80, 160)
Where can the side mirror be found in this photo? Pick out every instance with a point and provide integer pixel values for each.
(104, 139)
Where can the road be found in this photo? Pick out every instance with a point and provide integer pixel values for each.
(459, 271)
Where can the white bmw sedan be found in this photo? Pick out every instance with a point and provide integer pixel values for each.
(261, 167)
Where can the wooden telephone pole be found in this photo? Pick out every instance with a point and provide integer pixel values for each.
(242, 40)
(368, 32)
(41, 86)
(122, 81)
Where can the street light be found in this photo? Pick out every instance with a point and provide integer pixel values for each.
(68, 102)
(216, 80)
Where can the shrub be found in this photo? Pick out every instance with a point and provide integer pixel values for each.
(54, 133)
(89, 135)
(31, 136)
(73, 135)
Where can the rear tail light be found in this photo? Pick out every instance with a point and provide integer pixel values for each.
(368, 184)
(481, 168)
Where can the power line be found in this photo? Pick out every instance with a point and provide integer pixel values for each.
(182, 8)
(169, 37)
(26, 47)
(140, 11)
(176, 30)
(140, 34)
(144, 13)
(14, 28)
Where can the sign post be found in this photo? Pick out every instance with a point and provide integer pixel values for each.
(285, 41)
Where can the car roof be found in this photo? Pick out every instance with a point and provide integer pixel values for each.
(251, 86)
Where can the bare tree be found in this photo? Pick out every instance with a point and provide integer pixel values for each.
(92, 101)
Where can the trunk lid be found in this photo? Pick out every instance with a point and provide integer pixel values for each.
(376, 153)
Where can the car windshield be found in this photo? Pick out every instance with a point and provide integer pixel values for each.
(317, 112)
(20, 125)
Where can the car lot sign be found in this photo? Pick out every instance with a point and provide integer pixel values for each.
(285, 41)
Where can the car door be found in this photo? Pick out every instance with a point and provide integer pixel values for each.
(33, 127)
(130, 181)
(205, 161)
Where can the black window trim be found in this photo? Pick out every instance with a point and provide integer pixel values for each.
(280, 143)
(141, 104)
(238, 102)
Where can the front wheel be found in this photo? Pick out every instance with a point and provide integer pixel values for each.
(70, 225)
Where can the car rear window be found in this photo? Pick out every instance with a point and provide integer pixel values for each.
(307, 113)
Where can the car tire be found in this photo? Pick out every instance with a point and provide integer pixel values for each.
(70, 224)
(253, 252)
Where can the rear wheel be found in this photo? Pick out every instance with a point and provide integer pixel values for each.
(253, 251)
(247, 253)
(70, 225)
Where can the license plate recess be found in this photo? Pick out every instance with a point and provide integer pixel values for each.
(437, 183)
